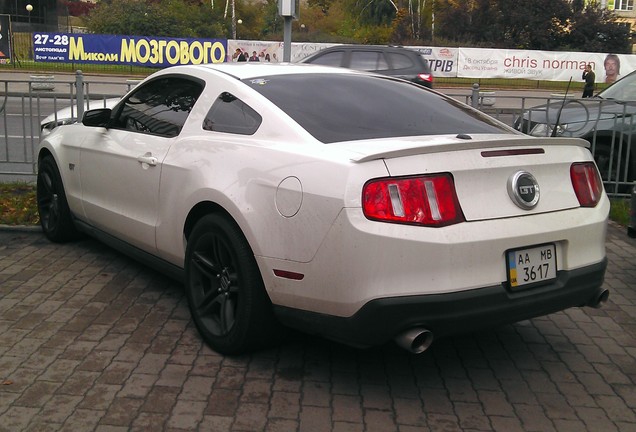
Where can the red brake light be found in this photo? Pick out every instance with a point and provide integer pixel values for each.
(587, 183)
(426, 77)
(426, 200)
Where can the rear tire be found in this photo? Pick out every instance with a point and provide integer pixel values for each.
(225, 290)
(55, 215)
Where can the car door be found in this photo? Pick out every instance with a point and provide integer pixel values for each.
(120, 172)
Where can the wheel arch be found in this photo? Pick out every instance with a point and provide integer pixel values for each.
(202, 209)
(44, 152)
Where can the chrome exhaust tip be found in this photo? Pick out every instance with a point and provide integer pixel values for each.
(599, 298)
(416, 340)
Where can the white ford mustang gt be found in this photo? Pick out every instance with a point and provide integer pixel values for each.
(355, 206)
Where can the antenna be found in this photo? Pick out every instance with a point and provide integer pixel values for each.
(558, 119)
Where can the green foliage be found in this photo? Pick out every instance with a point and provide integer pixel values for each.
(18, 204)
(538, 24)
(175, 18)
(595, 30)
(272, 23)
(323, 5)
(620, 210)
(373, 35)
(533, 25)
(376, 12)
(401, 29)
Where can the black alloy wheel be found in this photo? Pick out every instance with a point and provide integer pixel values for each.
(55, 215)
(225, 290)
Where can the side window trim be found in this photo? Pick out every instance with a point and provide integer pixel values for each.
(163, 110)
(228, 114)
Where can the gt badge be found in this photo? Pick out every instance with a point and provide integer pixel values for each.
(523, 189)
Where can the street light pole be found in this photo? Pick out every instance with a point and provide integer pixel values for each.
(29, 8)
(233, 20)
(287, 37)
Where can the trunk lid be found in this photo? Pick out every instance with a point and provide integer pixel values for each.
(483, 168)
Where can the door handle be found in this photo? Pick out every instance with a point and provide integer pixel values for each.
(147, 159)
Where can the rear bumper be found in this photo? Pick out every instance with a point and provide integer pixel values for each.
(380, 320)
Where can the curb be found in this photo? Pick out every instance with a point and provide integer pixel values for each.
(21, 228)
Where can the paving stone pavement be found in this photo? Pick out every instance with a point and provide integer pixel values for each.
(92, 341)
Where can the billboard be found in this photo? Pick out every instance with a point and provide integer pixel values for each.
(541, 65)
(126, 50)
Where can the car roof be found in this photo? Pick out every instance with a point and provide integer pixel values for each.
(245, 71)
(378, 48)
(369, 47)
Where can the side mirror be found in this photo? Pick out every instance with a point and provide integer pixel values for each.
(97, 117)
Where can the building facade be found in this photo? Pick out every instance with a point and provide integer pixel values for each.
(31, 15)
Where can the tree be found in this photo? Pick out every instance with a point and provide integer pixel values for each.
(78, 8)
(272, 22)
(596, 29)
(379, 12)
(401, 27)
(323, 5)
(471, 22)
(537, 25)
(174, 18)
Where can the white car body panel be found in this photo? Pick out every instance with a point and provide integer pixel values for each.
(340, 281)
(120, 184)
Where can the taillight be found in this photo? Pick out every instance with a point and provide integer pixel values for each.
(587, 183)
(426, 77)
(426, 200)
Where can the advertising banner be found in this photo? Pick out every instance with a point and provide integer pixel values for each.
(128, 50)
(5, 39)
(265, 51)
(541, 65)
(443, 61)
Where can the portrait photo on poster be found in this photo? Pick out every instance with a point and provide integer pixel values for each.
(612, 65)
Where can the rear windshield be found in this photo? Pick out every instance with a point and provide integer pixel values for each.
(336, 108)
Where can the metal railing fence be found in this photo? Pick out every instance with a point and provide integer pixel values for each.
(25, 103)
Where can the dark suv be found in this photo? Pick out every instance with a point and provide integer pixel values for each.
(387, 60)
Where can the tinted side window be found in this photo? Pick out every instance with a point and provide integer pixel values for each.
(400, 61)
(368, 61)
(159, 107)
(231, 115)
(333, 58)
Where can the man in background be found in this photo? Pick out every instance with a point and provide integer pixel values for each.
(589, 77)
